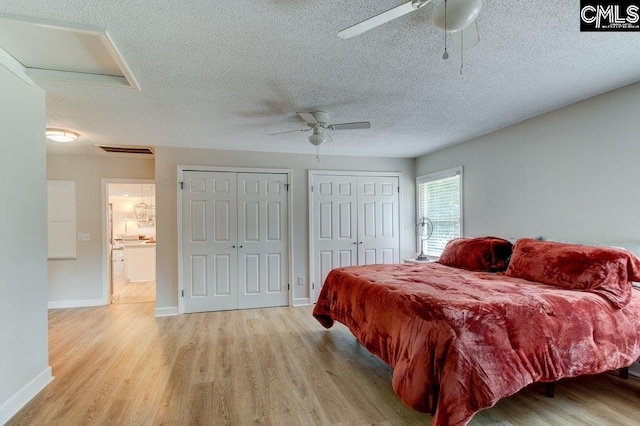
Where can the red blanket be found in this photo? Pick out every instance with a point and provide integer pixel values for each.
(459, 341)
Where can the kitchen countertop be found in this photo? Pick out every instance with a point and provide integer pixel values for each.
(141, 243)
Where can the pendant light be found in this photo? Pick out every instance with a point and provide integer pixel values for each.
(141, 209)
(145, 213)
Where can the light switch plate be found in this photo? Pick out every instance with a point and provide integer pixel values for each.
(84, 236)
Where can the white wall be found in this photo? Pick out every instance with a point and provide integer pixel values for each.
(78, 282)
(168, 159)
(24, 358)
(571, 174)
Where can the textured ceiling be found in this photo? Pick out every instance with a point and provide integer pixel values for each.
(224, 75)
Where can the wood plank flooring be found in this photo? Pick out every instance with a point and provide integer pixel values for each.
(131, 292)
(120, 365)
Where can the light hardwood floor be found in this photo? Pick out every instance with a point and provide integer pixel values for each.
(131, 292)
(120, 365)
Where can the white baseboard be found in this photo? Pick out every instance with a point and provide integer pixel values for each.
(166, 312)
(301, 301)
(10, 407)
(61, 304)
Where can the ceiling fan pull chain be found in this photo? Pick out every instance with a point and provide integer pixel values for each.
(461, 52)
(445, 55)
(318, 153)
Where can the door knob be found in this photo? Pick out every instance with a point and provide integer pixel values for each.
(240, 246)
(354, 243)
(233, 246)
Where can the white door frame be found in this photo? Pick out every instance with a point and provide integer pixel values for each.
(312, 173)
(105, 231)
(180, 178)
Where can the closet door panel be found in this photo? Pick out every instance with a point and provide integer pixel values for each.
(262, 240)
(378, 221)
(208, 233)
(223, 267)
(198, 271)
(333, 229)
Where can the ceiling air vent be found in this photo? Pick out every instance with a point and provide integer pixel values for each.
(127, 149)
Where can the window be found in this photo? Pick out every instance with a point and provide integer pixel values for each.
(440, 200)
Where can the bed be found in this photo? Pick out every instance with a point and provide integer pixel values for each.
(459, 339)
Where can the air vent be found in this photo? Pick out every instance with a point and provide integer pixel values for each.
(127, 149)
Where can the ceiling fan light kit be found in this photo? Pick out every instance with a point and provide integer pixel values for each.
(456, 17)
(318, 137)
(459, 14)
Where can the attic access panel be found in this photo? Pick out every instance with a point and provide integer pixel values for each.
(55, 52)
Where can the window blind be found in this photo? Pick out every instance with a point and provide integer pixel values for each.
(439, 200)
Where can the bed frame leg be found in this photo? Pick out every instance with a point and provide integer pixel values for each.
(623, 373)
(550, 389)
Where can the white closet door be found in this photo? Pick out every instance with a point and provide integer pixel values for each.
(334, 225)
(378, 221)
(209, 235)
(262, 240)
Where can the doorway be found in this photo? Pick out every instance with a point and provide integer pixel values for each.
(130, 241)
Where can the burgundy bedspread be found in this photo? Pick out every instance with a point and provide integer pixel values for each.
(459, 341)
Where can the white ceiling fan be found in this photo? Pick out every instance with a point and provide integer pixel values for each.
(456, 17)
(318, 123)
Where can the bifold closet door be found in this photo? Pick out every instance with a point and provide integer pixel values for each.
(263, 276)
(378, 221)
(334, 225)
(209, 240)
(234, 240)
(354, 221)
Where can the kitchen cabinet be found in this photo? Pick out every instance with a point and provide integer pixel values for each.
(140, 261)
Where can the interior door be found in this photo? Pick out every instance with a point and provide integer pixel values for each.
(334, 225)
(263, 277)
(209, 235)
(378, 221)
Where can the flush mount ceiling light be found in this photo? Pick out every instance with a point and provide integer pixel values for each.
(61, 135)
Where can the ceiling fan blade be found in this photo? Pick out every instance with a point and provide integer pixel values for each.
(381, 18)
(308, 117)
(466, 38)
(349, 126)
(290, 131)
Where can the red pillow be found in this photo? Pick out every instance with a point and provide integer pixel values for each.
(606, 271)
(477, 254)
